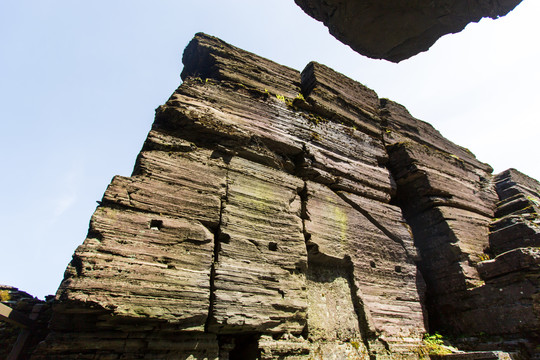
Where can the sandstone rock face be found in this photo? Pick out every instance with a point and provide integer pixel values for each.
(506, 304)
(517, 222)
(397, 30)
(271, 215)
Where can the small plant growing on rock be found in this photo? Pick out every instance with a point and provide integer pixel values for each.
(434, 345)
(280, 97)
(484, 257)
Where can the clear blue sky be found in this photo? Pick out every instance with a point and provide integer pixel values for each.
(79, 82)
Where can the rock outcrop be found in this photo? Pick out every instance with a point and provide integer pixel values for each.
(397, 30)
(274, 214)
(25, 325)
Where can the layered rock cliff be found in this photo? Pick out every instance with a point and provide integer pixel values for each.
(274, 214)
(396, 30)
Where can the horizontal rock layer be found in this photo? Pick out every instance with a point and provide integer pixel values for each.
(518, 222)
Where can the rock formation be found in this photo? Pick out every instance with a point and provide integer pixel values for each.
(18, 341)
(274, 214)
(397, 30)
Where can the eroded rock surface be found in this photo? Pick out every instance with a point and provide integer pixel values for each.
(397, 30)
(517, 223)
(271, 215)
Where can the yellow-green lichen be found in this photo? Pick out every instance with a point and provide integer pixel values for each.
(315, 136)
(4, 295)
(534, 200)
(340, 218)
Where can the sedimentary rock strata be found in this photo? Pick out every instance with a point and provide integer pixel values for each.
(397, 30)
(275, 214)
(516, 224)
(506, 303)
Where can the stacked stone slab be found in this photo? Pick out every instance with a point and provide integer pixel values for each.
(517, 223)
(263, 221)
(448, 199)
(504, 309)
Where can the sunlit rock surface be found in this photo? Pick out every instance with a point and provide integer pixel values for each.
(274, 214)
(396, 30)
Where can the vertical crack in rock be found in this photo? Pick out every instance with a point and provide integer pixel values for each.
(304, 211)
(303, 194)
(217, 246)
(359, 308)
(442, 192)
(76, 262)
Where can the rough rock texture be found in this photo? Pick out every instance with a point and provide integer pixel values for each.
(397, 30)
(503, 310)
(450, 200)
(271, 215)
(517, 222)
(506, 307)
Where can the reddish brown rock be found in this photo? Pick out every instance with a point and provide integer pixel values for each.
(209, 57)
(374, 265)
(274, 214)
(448, 199)
(259, 267)
(506, 306)
(340, 99)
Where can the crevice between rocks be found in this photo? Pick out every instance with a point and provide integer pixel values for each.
(411, 218)
(217, 247)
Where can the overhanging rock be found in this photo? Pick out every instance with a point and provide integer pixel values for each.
(396, 30)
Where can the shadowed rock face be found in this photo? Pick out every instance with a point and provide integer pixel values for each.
(15, 342)
(396, 30)
(274, 214)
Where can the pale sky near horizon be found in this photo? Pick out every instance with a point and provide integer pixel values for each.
(79, 82)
